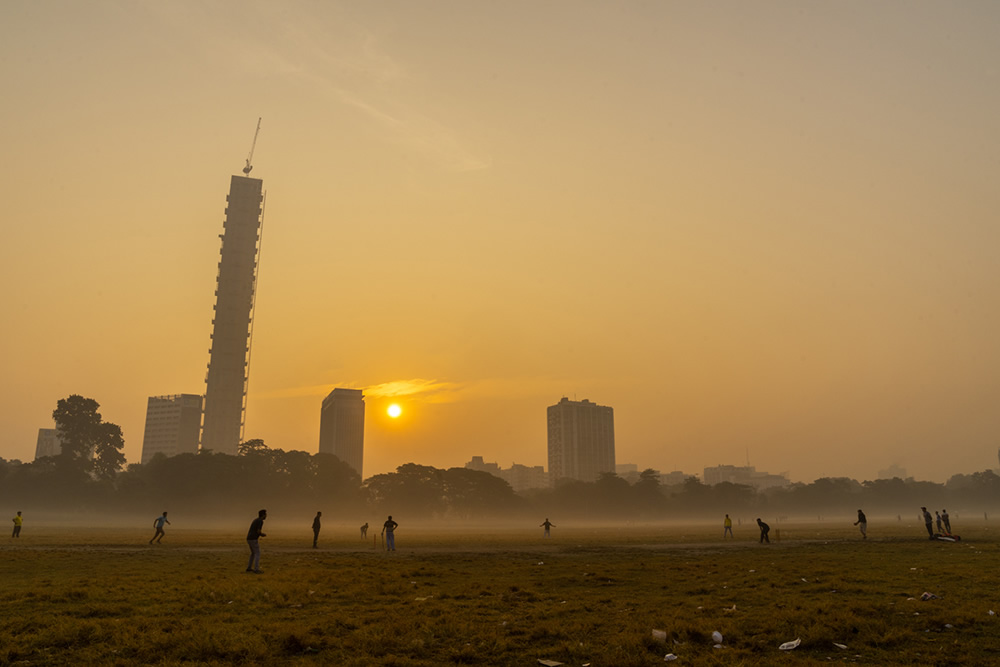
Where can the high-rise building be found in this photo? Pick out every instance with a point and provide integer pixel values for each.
(581, 440)
(48, 444)
(342, 427)
(172, 425)
(229, 356)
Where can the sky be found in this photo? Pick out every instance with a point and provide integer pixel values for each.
(761, 232)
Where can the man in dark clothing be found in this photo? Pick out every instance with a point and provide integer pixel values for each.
(546, 525)
(764, 530)
(387, 528)
(947, 521)
(928, 521)
(316, 528)
(863, 523)
(256, 532)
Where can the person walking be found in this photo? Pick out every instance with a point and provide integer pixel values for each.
(727, 527)
(927, 523)
(764, 530)
(546, 525)
(944, 517)
(158, 526)
(253, 536)
(387, 528)
(316, 528)
(18, 520)
(862, 523)
(364, 530)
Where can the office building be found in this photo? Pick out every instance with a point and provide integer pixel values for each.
(581, 440)
(342, 427)
(229, 356)
(746, 475)
(48, 444)
(520, 477)
(172, 425)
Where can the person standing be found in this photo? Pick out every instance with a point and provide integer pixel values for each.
(727, 525)
(364, 530)
(937, 518)
(158, 525)
(18, 520)
(387, 528)
(316, 528)
(256, 532)
(862, 523)
(764, 530)
(927, 523)
(944, 517)
(546, 525)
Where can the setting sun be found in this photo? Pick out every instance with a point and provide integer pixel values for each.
(394, 410)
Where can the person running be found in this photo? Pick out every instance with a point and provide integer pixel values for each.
(937, 518)
(387, 528)
(862, 523)
(546, 525)
(364, 530)
(944, 517)
(256, 532)
(727, 525)
(158, 525)
(764, 530)
(316, 528)
(18, 520)
(927, 523)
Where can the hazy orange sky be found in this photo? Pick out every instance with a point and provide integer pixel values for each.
(748, 227)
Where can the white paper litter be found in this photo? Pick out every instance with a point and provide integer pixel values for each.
(669, 657)
(788, 646)
(717, 637)
(660, 635)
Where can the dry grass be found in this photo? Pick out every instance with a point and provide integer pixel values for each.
(585, 596)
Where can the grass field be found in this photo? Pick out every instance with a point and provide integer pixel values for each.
(587, 595)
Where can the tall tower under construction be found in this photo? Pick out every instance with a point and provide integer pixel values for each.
(229, 356)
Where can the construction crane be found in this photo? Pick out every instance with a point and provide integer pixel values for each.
(246, 169)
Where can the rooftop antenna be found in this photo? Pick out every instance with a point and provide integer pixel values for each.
(246, 169)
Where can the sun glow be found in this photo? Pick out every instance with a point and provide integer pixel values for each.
(394, 411)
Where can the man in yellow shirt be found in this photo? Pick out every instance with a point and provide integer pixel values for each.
(728, 527)
(17, 525)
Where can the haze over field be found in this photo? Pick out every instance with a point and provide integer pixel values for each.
(766, 228)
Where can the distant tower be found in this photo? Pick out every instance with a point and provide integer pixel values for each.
(581, 440)
(229, 356)
(172, 425)
(342, 427)
(49, 443)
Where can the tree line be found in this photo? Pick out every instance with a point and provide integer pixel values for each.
(90, 475)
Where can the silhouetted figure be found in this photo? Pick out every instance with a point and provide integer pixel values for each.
(256, 532)
(862, 523)
(316, 528)
(18, 520)
(927, 523)
(387, 528)
(944, 517)
(158, 525)
(764, 530)
(546, 525)
(364, 530)
(727, 527)
(937, 518)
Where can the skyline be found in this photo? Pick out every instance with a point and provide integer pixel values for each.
(761, 228)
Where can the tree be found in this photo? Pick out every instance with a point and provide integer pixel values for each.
(88, 443)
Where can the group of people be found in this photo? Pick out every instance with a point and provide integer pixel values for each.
(257, 531)
(943, 523)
